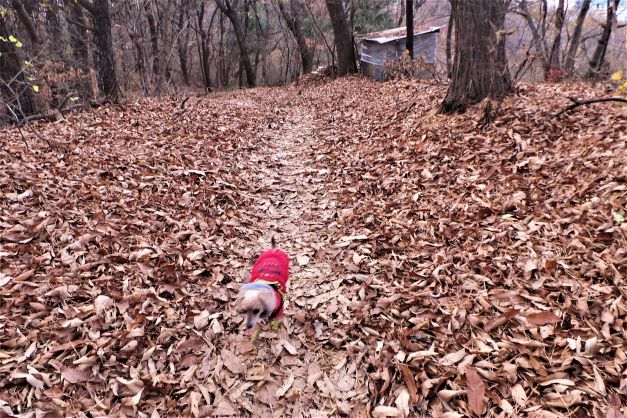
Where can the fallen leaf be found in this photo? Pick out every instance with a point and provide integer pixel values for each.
(287, 384)
(74, 375)
(543, 318)
(386, 411)
(232, 362)
(475, 389)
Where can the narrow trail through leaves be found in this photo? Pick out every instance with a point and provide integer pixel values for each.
(438, 269)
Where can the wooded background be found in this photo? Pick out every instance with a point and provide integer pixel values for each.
(63, 54)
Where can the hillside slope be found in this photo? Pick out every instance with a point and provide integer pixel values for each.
(438, 268)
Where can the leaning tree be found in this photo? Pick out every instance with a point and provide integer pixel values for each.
(479, 65)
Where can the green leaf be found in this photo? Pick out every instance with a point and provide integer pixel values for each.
(18, 44)
(12, 39)
(507, 216)
(3, 39)
(36, 88)
(619, 217)
(28, 63)
(74, 98)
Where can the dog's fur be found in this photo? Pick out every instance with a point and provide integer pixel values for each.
(256, 304)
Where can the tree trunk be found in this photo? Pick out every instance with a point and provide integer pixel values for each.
(154, 45)
(14, 88)
(140, 60)
(480, 65)
(401, 15)
(53, 28)
(224, 74)
(409, 23)
(226, 8)
(554, 57)
(569, 63)
(107, 80)
(343, 37)
(536, 36)
(293, 20)
(598, 58)
(183, 43)
(25, 19)
(77, 35)
(449, 41)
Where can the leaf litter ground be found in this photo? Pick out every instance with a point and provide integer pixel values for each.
(438, 269)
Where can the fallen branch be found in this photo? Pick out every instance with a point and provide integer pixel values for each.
(577, 103)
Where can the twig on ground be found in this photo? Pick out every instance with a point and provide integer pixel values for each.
(577, 103)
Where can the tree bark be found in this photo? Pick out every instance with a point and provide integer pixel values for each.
(55, 32)
(569, 63)
(554, 57)
(154, 45)
(480, 65)
(107, 79)
(409, 23)
(293, 20)
(343, 37)
(222, 68)
(401, 15)
(598, 58)
(535, 33)
(14, 88)
(26, 21)
(183, 42)
(449, 41)
(77, 35)
(226, 8)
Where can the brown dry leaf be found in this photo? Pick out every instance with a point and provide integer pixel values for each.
(74, 375)
(386, 411)
(447, 394)
(402, 402)
(287, 384)
(614, 406)
(224, 409)
(408, 378)
(501, 319)
(194, 402)
(543, 318)
(302, 260)
(201, 320)
(519, 396)
(475, 389)
(232, 362)
(102, 303)
(453, 358)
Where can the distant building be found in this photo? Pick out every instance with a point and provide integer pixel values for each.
(380, 47)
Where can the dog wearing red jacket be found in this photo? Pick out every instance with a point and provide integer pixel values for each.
(263, 297)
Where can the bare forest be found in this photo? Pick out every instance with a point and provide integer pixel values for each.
(453, 208)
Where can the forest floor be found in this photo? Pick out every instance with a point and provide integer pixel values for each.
(439, 268)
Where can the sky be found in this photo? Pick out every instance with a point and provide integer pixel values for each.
(596, 4)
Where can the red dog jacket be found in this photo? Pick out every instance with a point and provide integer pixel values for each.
(273, 269)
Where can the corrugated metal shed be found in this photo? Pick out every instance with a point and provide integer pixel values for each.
(389, 45)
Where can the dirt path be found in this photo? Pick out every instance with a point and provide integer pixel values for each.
(291, 195)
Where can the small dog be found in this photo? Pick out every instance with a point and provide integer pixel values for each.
(264, 295)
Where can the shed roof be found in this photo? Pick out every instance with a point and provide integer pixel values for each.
(395, 34)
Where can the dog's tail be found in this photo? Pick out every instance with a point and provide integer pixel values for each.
(273, 242)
